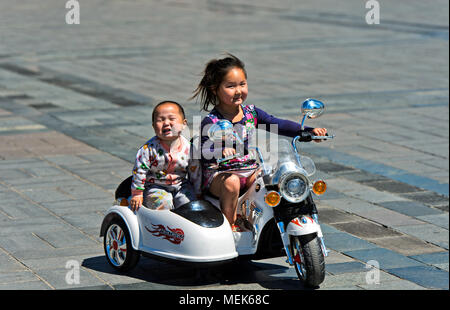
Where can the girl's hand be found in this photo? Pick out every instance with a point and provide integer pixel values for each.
(136, 202)
(228, 152)
(319, 132)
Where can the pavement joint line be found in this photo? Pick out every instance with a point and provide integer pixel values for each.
(71, 82)
(43, 240)
(73, 174)
(47, 210)
(381, 169)
(26, 267)
(95, 275)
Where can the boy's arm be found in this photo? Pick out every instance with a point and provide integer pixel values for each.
(140, 169)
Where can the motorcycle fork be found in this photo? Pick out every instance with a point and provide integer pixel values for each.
(315, 216)
(286, 242)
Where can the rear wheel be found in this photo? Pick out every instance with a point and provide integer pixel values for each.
(308, 258)
(117, 245)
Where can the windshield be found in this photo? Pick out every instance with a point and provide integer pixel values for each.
(286, 153)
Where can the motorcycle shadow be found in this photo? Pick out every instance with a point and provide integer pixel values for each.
(237, 274)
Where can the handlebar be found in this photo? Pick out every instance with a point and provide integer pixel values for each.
(307, 136)
(327, 137)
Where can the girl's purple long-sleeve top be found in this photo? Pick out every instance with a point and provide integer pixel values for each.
(252, 119)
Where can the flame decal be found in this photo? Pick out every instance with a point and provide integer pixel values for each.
(174, 235)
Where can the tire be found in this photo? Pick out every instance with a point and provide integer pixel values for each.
(308, 258)
(117, 245)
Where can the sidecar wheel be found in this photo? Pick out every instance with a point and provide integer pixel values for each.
(309, 260)
(117, 245)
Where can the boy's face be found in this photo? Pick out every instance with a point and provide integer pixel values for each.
(168, 122)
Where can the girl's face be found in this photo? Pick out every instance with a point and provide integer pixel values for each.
(233, 90)
(168, 122)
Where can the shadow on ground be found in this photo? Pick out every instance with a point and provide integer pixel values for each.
(163, 275)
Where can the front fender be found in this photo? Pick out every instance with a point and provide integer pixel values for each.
(128, 217)
(303, 225)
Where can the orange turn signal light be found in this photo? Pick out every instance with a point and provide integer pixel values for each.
(319, 187)
(272, 198)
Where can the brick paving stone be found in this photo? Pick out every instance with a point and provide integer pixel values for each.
(28, 285)
(410, 208)
(406, 245)
(67, 100)
(436, 219)
(393, 285)
(354, 279)
(427, 232)
(366, 229)
(57, 278)
(423, 275)
(343, 242)
(339, 268)
(8, 264)
(432, 258)
(333, 216)
(385, 258)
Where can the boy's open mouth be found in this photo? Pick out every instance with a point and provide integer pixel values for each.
(166, 131)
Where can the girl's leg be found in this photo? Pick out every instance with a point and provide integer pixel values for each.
(226, 186)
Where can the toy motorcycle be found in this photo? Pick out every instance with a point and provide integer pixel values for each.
(277, 209)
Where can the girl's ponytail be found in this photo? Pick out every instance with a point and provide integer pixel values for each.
(213, 75)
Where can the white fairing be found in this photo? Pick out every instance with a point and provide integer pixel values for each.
(130, 220)
(247, 242)
(167, 234)
(303, 225)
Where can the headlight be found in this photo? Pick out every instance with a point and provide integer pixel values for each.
(294, 187)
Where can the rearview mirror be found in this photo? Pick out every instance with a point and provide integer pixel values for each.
(311, 108)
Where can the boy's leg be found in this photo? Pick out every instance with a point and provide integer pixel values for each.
(156, 198)
(183, 194)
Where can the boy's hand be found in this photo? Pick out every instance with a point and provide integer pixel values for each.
(228, 152)
(136, 202)
(319, 132)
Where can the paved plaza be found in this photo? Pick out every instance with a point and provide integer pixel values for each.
(76, 103)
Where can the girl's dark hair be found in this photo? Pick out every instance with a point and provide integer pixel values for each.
(213, 75)
(165, 102)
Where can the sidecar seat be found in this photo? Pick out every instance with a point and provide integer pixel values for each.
(201, 212)
(124, 189)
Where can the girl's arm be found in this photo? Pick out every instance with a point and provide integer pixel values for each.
(285, 127)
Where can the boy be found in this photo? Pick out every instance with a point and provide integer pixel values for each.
(161, 167)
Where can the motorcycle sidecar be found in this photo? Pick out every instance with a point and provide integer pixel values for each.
(196, 232)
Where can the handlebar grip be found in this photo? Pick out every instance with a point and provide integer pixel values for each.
(305, 136)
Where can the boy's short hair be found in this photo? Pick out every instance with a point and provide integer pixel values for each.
(168, 101)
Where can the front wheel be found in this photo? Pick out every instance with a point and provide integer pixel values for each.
(117, 245)
(308, 258)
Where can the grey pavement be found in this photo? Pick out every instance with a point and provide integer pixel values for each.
(76, 102)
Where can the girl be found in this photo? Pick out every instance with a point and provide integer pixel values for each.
(224, 86)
